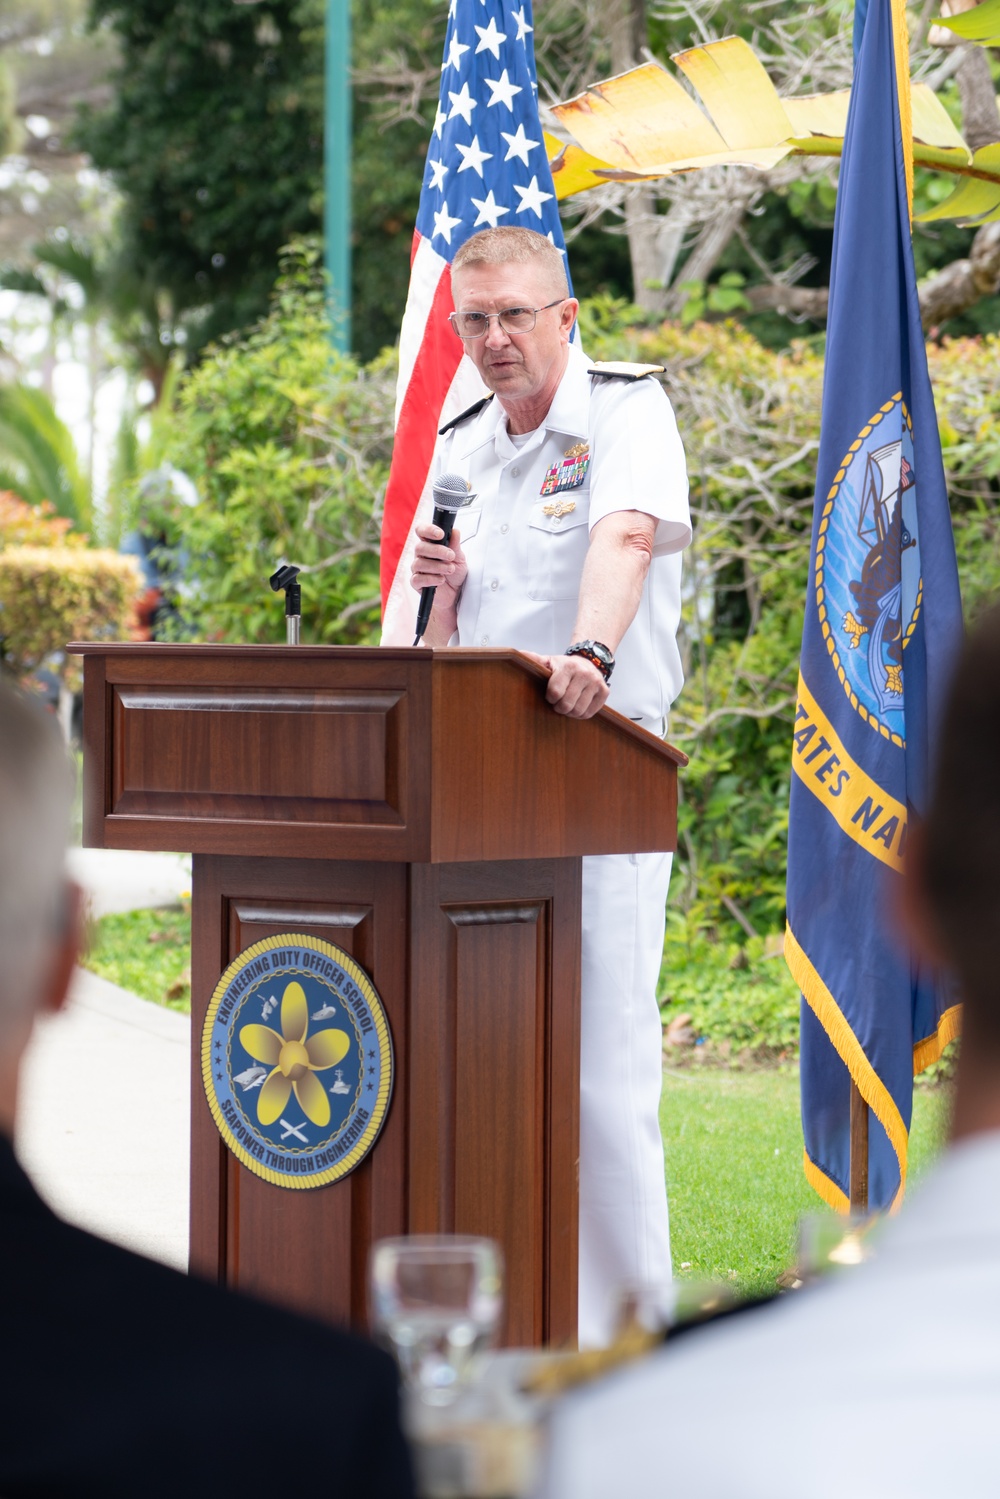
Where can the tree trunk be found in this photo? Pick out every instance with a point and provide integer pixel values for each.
(625, 23)
(980, 119)
(958, 286)
(947, 294)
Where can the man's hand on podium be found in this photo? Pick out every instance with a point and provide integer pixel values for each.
(576, 687)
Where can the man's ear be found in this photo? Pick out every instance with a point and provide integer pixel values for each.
(66, 945)
(567, 316)
(913, 910)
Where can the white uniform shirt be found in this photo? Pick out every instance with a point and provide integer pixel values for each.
(525, 566)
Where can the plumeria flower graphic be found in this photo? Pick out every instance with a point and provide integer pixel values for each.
(294, 1060)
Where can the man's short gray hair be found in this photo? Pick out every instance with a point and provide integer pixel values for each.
(36, 791)
(506, 246)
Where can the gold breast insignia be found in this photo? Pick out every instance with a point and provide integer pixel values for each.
(577, 450)
(559, 508)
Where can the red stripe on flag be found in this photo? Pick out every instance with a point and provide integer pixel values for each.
(416, 431)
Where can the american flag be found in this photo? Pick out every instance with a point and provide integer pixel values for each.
(486, 166)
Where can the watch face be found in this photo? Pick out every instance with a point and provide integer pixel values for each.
(602, 652)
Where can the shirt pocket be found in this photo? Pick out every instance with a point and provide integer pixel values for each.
(467, 522)
(557, 547)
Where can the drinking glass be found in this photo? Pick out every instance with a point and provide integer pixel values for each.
(436, 1300)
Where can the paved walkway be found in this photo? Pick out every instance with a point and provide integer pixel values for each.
(103, 1118)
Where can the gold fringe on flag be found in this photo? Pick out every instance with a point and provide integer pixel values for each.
(901, 50)
(929, 1050)
(871, 1087)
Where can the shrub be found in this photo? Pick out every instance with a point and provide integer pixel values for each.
(52, 595)
(24, 525)
(288, 446)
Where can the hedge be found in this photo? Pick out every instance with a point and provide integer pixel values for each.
(52, 595)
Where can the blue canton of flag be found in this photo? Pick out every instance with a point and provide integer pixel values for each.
(487, 165)
(882, 623)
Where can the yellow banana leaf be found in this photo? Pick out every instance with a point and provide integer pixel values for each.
(737, 93)
(639, 121)
(643, 125)
(572, 169)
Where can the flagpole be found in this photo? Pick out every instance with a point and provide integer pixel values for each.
(337, 170)
(859, 1151)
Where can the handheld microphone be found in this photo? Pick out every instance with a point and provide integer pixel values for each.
(451, 494)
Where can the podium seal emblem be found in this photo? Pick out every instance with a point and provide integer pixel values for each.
(297, 1062)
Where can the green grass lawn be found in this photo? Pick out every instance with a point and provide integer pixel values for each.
(146, 952)
(733, 1144)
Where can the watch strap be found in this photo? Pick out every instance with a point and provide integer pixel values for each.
(590, 650)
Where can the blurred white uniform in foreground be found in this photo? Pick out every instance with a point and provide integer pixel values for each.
(879, 1384)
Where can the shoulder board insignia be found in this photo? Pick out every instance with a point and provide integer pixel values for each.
(464, 416)
(615, 369)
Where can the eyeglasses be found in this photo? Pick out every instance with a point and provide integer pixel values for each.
(511, 320)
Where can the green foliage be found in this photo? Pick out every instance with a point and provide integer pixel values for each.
(146, 952)
(8, 112)
(52, 595)
(724, 296)
(37, 454)
(742, 1002)
(87, 283)
(288, 446)
(214, 136)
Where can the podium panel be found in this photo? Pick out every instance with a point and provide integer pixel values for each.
(479, 1138)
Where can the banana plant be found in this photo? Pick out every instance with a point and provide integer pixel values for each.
(644, 125)
(38, 458)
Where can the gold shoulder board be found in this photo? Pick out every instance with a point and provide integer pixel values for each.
(616, 369)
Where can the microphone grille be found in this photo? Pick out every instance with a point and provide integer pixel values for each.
(451, 492)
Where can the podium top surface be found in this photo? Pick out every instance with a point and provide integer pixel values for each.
(412, 756)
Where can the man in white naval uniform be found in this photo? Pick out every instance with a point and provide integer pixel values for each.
(571, 551)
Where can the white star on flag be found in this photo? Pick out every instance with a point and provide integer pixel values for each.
(444, 223)
(522, 25)
(439, 172)
(503, 91)
(490, 38)
(518, 144)
(532, 197)
(489, 210)
(462, 104)
(440, 121)
(454, 58)
(473, 156)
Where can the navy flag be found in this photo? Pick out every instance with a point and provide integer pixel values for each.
(883, 620)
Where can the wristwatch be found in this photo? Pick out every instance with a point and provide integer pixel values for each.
(596, 653)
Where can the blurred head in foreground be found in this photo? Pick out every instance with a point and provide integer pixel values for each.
(952, 890)
(38, 908)
(129, 1353)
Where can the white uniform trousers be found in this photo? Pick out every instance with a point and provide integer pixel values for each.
(624, 1227)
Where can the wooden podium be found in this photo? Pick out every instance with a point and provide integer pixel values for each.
(427, 812)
